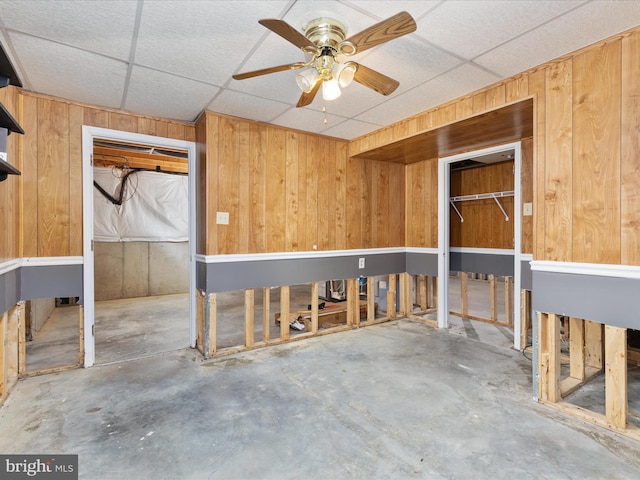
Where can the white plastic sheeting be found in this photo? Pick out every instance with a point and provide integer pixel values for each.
(155, 207)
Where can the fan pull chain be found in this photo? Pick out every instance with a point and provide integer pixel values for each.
(324, 111)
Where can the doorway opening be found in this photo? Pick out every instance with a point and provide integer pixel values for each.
(139, 231)
(479, 242)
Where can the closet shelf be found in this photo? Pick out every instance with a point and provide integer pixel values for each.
(482, 196)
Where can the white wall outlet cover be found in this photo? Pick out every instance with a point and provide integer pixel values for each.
(383, 285)
(222, 218)
(361, 263)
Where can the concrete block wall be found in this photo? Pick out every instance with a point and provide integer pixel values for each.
(140, 269)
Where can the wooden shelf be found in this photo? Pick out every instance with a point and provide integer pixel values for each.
(7, 169)
(8, 122)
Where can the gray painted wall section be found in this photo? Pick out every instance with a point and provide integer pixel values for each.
(226, 276)
(46, 281)
(10, 289)
(481, 263)
(526, 277)
(609, 300)
(422, 264)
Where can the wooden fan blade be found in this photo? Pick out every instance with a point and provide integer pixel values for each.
(375, 80)
(393, 27)
(265, 71)
(307, 98)
(287, 32)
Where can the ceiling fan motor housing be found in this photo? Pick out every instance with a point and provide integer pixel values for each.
(325, 32)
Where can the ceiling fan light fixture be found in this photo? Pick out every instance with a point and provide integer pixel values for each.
(307, 79)
(330, 89)
(344, 73)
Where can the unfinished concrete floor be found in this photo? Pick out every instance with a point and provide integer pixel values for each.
(396, 400)
(125, 329)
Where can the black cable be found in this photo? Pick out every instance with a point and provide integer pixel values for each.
(123, 183)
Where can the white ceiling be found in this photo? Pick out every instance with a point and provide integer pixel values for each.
(174, 59)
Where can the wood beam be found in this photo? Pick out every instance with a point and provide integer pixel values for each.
(284, 312)
(249, 315)
(593, 344)
(616, 401)
(576, 348)
(266, 307)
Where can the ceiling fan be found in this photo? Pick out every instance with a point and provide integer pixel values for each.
(324, 39)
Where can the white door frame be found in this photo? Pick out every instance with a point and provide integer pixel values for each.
(444, 219)
(89, 134)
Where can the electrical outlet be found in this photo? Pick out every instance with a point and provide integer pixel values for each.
(222, 218)
(527, 209)
(361, 263)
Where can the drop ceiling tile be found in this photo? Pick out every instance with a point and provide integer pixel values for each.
(307, 120)
(164, 95)
(101, 27)
(202, 40)
(350, 129)
(385, 10)
(455, 83)
(594, 21)
(409, 59)
(67, 72)
(247, 106)
(469, 28)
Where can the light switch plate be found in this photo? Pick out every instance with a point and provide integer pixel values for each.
(527, 209)
(222, 218)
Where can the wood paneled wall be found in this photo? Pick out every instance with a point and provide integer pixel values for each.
(484, 224)
(52, 167)
(586, 152)
(10, 188)
(289, 191)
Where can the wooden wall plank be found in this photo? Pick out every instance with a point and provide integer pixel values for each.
(303, 172)
(53, 178)
(479, 102)
(630, 146)
(275, 191)
(464, 107)
(244, 187)
(353, 203)
(257, 181)
(211, 191)
(311, 192)
(537, 87)
(495, 96)
(432, 226)
(341, 226)
(415, 204)
(30, 176)
(596, 155)
(123, 121)
(228, 184)
(328, 211)
(94, 117)
(517, 88)
(366, 202)
(176, 130)
(201, 188)
(146, 126)
(396, 199)
(291, 191)
(558, 173)
(76, 119)
(526, 185)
